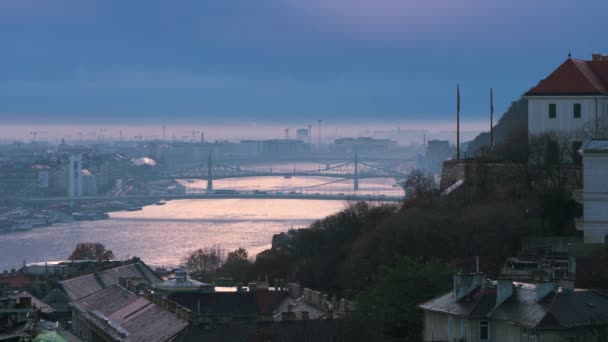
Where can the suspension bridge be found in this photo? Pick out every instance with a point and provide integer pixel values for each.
(355, 170)
(210, 171)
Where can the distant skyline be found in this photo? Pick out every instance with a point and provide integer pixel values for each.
(261, 62)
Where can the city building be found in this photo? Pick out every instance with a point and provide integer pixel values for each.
(302, 134)
(363, 145)
(481, 310)
(437, 151)
(117, 314)
(572, 100)
(89, 183)
(595, 191)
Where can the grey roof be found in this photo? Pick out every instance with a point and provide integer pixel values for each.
(79, 287)
(128, 317)
(557, 310)
(595, 146)
(476, 305)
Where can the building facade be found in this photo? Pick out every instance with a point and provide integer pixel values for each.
(595, 191)
(572, 100)
(482, 310)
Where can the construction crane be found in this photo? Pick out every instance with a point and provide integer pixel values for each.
(193, 132)
(35, 134)
(141, 137)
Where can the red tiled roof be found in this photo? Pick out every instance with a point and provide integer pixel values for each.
(575, 77)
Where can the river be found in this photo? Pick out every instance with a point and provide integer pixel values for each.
(164, 235)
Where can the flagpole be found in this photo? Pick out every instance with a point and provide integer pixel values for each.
(491, 119)
(457, 121)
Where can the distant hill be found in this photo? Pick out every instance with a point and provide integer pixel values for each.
(514, 118)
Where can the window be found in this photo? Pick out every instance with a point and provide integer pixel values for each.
(524, 335)
(577, 110)
(450, 328)
(464, 326)
(552, 110)
(484, 330)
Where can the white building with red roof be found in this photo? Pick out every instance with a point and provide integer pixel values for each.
(572, 100)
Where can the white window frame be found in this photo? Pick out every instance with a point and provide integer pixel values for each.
(464, 327)
(489, 331)
(450, 328)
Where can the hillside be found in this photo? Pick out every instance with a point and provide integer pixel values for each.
(516, 117)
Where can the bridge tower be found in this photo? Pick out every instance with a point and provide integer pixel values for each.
(356, 182)
(75, 176)
(209, 174)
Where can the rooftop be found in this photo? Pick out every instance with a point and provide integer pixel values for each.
(79, 287)
(560, 309)
(126, 316)
(575, 77)
(594, 146)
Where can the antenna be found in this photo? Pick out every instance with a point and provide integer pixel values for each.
(491, 119)
(457, 121)
(320, 133)
(309, 134)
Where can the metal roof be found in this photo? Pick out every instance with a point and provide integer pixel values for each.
(79, 287)
(557, 310)
(477, 304)
(595, 146)
(122, 314)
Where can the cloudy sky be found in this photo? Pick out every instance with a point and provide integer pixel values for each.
(128, 61)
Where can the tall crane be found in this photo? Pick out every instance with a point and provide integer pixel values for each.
(141, 137)
(35, 134)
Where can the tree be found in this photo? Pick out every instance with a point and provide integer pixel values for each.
(91, 251)
(420, 185)
(392, 299)
(203, 262)
(237, 265)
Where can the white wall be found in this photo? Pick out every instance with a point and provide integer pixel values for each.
(565, 122)
(595, 197)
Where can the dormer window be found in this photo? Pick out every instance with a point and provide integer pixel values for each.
(552, 110)
(576, 110)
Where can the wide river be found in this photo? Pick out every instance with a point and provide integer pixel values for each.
(164, 235)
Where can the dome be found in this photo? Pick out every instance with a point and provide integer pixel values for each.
(144, 161)
(56, 296)
(183, 283)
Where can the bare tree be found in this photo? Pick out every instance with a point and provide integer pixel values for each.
(91, 251)
(204, 261)
(419, 185)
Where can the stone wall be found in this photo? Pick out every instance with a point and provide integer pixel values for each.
(496, 176)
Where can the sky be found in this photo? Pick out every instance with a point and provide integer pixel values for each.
(217, 62)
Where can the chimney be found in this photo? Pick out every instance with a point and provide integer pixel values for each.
(285, 316)
(505, 290)
(305, 315)
(599, 57)
(329, 315)
(543, 288)
(466, 283)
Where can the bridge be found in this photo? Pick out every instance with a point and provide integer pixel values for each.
(220, 195)
(355, 170)
(210, 171)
